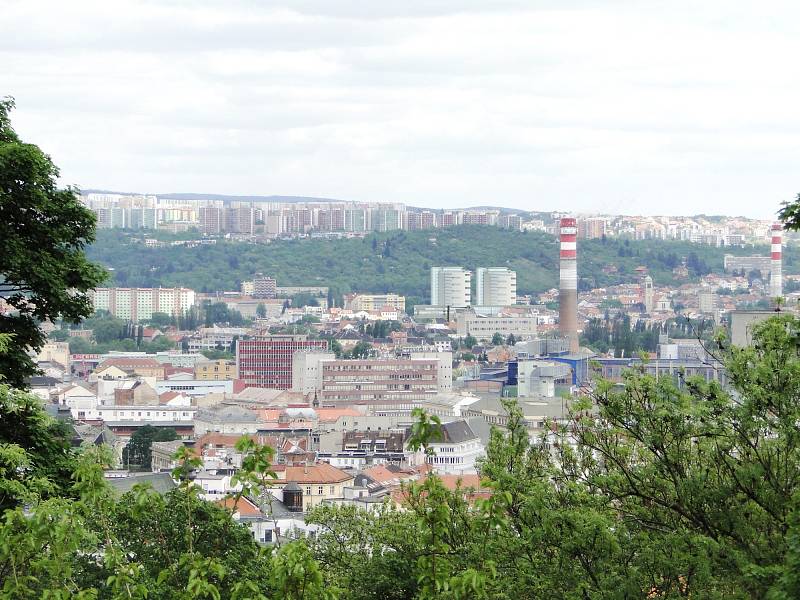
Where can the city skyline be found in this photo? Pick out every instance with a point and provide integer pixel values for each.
(674, 109)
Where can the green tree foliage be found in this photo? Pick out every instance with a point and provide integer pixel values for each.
(161, 320)
(790, 214)
(360, 350)
(218, 313)
(35, 455)
(107, 329)
(218, 354)
(497, 339)
(351, 265)
(44, 273)
(304, 299)
(382, 329)
(617, 335)
(665, 493)
(648, 491)
(139, 449)
(59, 335)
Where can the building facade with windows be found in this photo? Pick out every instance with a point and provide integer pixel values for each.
(139, 304)
(267, 362)
(495, 286)
(451, 286)
(385, 380)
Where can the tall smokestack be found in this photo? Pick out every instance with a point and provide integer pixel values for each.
(776, 275)
(568, 287)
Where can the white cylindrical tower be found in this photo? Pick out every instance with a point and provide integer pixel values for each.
(776, 274)
(568, 286)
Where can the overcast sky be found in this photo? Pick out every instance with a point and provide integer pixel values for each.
(617, 107)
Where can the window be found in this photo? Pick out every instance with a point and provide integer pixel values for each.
(319, 491)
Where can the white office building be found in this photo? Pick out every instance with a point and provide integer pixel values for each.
(451, 286)
(495, 286)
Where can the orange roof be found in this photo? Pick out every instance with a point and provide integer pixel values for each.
(268, 414)
(470, 485)
(244, 507)
(167, 396)
(316, 473)
(384, 476)
(332, 414)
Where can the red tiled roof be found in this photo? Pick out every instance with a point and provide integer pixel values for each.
(244, 507)
(167, 396)
(316, 473)
(332, 414)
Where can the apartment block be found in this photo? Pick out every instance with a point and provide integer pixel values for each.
(495, 286)
(139, 304)
(450, 286)
(591, 228)
(267, 362)
(265, 287)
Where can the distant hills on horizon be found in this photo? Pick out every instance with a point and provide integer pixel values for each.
(193, 197)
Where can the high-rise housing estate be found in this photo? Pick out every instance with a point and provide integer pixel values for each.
(776, 273)
(591, 228)
(513, 222)
(212, 220)
(139, 304)
(495, 286)
(266, 362)
(420, 220)
(568, 284)
(483, 217)
(388, 218)
(219, 219)
(450, 286)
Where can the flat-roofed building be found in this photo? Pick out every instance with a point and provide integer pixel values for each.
(267, 362)
(451, 286)
(495, 286)
(483, 327)
(385, 380)
(732, 263)
(370, 302)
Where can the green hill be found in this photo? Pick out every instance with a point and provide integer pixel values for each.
(398, 261)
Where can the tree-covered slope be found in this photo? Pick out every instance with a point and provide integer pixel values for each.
(397, 261)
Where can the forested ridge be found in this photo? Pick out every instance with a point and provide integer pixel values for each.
(401, 261)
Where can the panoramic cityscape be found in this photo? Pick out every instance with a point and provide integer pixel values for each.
(485, 352)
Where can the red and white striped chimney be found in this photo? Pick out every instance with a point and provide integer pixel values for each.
(776, 275)
(568, 286)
